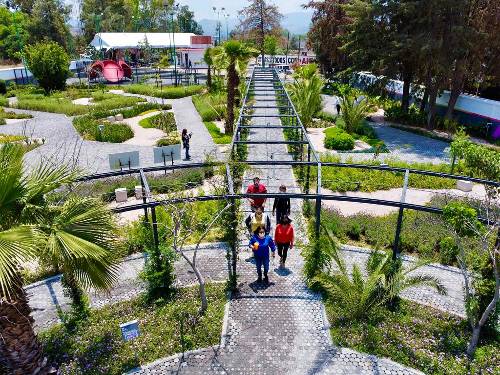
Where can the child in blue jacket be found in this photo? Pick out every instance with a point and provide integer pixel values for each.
(260, 243)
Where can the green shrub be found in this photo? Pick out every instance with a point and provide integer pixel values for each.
(325, 116)
(337, 139)
(2, 121)
(3, 87)
(4, 102)
(350, 179)
(159, 273)
(448, 250)
(172, 138)
(13, 115)
(217, 136)
(164, 121)
(167, 92)
(49, 64)
(113, 132)
(136, 110)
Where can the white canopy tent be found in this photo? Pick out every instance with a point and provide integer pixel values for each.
(137, 40)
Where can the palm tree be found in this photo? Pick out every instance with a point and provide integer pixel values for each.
(354, 111)
(207, 57)
(235, 52)
(306, 92)
(76, 234)
(384, 282)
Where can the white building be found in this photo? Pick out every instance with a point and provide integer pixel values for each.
(189, 47)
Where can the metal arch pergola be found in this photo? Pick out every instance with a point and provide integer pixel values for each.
(313, 160)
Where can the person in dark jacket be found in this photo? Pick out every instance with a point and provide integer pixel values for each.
(185, 142)
(261, 243)
(281, 206)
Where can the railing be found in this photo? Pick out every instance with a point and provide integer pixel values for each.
(238, 150)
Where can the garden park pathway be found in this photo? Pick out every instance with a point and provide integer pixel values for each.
(280, 328)
(63, 144)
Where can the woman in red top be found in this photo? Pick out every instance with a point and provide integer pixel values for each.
(283, 237)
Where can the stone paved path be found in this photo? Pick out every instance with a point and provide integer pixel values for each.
(280, 328)
(47, 295)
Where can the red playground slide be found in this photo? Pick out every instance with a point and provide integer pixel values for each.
(111, 70)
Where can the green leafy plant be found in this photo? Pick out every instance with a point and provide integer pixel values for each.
(217, 136)
(164, 121)
(306, 92)
(172, 138)
(211, 106)
(354, 111)
(385, 280)
(49, 63)
(166, 92)
(337, 139)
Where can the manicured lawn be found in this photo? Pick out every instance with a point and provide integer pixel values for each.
(416, 336)
(350, 179)
(167, 92)
(96, 346)
(217, 136)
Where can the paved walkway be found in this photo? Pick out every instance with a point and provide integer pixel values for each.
(414, 196)
(406, 146)
(280, 328)
(63, 144)
(47, 296)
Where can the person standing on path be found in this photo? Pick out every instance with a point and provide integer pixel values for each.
(256, 220)
(256, 188)
(281, 205)
(261, 243)
(338, 108)
(185, 142)
(284, 236)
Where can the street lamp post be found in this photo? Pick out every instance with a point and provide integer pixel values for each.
(98, 30)
(218, 11)
(226, 16)
(174, 9)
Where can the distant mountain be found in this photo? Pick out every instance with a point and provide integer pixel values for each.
(296, 23)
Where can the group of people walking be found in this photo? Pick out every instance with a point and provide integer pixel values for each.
(258, 224)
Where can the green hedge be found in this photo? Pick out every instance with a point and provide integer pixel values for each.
(167, 92)
(113, 132)
(4, 102)
(164, 121)
(350, 179)
(134, 111)
(337, 139)
(61, 102)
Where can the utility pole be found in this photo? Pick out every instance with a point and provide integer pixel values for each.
(287, 47)
(219, 24)
(261, 4)
(226, 16)
(175, 8)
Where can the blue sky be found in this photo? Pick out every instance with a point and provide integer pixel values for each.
(203, 8)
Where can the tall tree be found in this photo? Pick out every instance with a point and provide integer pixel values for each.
(258, 20)
(48, 21)
(13, 33)
(108, 16)
(329, 22)
(25, 6)
(475, 33)
(235, 51)
(186, 22)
